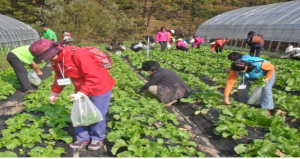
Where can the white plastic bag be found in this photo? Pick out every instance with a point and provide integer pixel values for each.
(256, 96)
(34, 78)
(168, 45)
(84, 112)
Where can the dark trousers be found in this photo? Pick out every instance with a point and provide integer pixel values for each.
(20, 71)
(163, 45)
(182, 48)
(219, 49)
(256, 47)
(196, 45)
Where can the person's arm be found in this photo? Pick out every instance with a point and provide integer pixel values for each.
(52, 35)
(212, 47)
(155, 78)
(120, 48)
(249, 41)
(229, 84)
(269, 68)
(157, 36)
(55, 87)
(37, 69)
(286, 56)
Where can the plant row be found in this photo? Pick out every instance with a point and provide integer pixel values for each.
(235, 118)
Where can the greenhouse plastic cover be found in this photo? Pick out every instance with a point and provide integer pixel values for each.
(275, 22)
(12, 30)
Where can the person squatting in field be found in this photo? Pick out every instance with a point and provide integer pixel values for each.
(17, 58)
(165, 84)
(118, 48)
(181, 45)
(249, 69)
(217, 44)
(163, 38)
(293, 53)
(88, 78)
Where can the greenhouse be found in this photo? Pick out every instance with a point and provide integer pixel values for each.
(278, 23)
(14, 33)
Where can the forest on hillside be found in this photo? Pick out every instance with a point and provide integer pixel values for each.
(102, 20)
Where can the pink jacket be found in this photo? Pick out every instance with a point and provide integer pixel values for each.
(162, 36)
(198, 40)
(181, 43)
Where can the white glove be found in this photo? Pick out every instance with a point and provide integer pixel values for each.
(53, 97)
(77, 96)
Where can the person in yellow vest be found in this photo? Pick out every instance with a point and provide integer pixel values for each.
(17, 58)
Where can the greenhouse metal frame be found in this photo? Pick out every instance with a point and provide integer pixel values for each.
(14, 33)
(278, 23)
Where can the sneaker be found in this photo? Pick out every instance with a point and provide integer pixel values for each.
(269, 113)
(170, 103)
(78, 144)
(31, 90)
(95, 145)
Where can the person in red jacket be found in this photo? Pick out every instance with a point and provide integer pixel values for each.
(88, 78)
(217, 44)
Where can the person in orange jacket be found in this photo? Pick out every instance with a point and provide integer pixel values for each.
(217, 44)
(171, 37)
(250, 69)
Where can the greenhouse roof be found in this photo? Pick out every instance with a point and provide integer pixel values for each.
(12, 30)
(276, 22)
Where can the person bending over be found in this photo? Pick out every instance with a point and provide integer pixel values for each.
(293, 53)
(250, 69)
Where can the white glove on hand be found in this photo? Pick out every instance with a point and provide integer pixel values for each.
(53, 97)
(77, 96)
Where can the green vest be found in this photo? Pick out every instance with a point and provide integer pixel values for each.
(23, 54)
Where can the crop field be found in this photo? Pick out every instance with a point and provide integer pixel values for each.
(140, 126)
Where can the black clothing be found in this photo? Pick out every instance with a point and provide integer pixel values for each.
(219, 49)
(182, 48)
(151, 39)
(20, 71)
(163, 45)
(170, 85)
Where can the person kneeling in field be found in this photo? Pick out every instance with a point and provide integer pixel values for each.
(165, 84)
(293, 53)
(250, 69)
(83, 69)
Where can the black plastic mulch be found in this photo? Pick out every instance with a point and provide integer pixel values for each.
(19, 98)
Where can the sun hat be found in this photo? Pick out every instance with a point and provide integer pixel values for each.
(179, 39)
(44, 49)
(172, 31)
(289, 49)
(191, 41)
(212, 43)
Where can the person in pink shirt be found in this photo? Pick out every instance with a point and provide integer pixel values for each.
(181, 45)
(163, 37)
(197, 42)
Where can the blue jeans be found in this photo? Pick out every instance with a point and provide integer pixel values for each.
(95, 131)
(267, 95)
